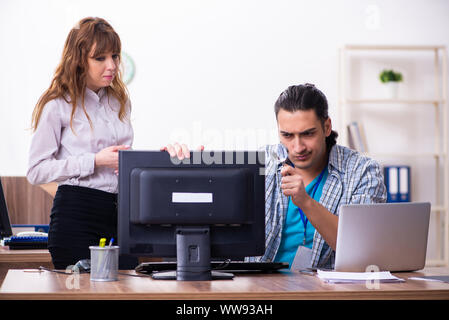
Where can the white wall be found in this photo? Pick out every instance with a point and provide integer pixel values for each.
(207, 72)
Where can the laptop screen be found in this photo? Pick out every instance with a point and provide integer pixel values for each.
(5, 225)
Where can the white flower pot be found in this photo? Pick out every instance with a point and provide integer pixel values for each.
(391, 89)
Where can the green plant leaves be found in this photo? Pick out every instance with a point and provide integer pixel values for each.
(390, 75)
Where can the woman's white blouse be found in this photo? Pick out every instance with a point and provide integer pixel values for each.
(68, 157)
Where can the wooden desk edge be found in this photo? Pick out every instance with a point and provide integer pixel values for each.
(304, 295)
(12, 256)
(346, 292)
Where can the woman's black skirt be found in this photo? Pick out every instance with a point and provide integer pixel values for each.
(80, 217)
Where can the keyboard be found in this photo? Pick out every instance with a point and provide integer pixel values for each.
(31, 242)
(232, 266)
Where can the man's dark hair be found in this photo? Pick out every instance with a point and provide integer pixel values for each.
(306, 97)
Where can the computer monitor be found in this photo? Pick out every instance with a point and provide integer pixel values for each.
(5, 225)
(211, 206)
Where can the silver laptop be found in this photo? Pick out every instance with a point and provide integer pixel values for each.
(391, 236)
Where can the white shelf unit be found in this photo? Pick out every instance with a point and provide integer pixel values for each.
(440, 205)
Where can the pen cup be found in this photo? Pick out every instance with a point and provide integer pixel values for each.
(104, 263)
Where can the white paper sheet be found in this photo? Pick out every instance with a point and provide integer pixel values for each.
(357, 277)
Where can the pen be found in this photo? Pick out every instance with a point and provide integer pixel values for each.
(108, 262)
(288, 161)
(282, 162)
(100, 260)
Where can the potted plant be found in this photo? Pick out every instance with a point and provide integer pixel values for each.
(391, 80)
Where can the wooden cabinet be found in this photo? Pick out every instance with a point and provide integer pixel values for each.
(27, 204)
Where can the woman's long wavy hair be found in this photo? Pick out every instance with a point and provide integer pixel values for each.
(69, 80)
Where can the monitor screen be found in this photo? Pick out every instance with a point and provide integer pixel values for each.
(211, 206)
(5, 225)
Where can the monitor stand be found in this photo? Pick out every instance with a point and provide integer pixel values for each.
(193, 257)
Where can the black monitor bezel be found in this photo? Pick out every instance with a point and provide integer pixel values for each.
(144, 159)
(5, 224)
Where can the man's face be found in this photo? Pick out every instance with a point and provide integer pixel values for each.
(304, 136)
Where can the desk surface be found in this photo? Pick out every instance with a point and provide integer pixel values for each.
(35, 284)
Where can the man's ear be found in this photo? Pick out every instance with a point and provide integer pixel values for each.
(327, 127)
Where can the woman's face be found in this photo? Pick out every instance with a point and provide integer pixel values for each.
(101, 69)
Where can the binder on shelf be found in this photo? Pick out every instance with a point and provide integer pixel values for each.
(397, 181)
(357, 139)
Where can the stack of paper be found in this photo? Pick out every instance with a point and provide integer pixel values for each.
(357, 277)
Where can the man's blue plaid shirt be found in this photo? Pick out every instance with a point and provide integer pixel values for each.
(352, 179)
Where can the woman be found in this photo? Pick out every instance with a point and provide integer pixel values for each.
(80, 123)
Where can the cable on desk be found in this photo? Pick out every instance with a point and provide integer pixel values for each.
(59, 271)
(223, 265)
(68, 272)
(134, 275)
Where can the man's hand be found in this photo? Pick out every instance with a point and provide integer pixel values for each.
(179, 150)
(292, 184)
(108, 157)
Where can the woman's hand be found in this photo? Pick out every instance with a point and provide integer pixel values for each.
(108, 157)
(179, 150)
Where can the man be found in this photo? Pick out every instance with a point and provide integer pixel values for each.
(308, 178)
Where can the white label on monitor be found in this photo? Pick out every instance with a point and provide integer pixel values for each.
(189, 197)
